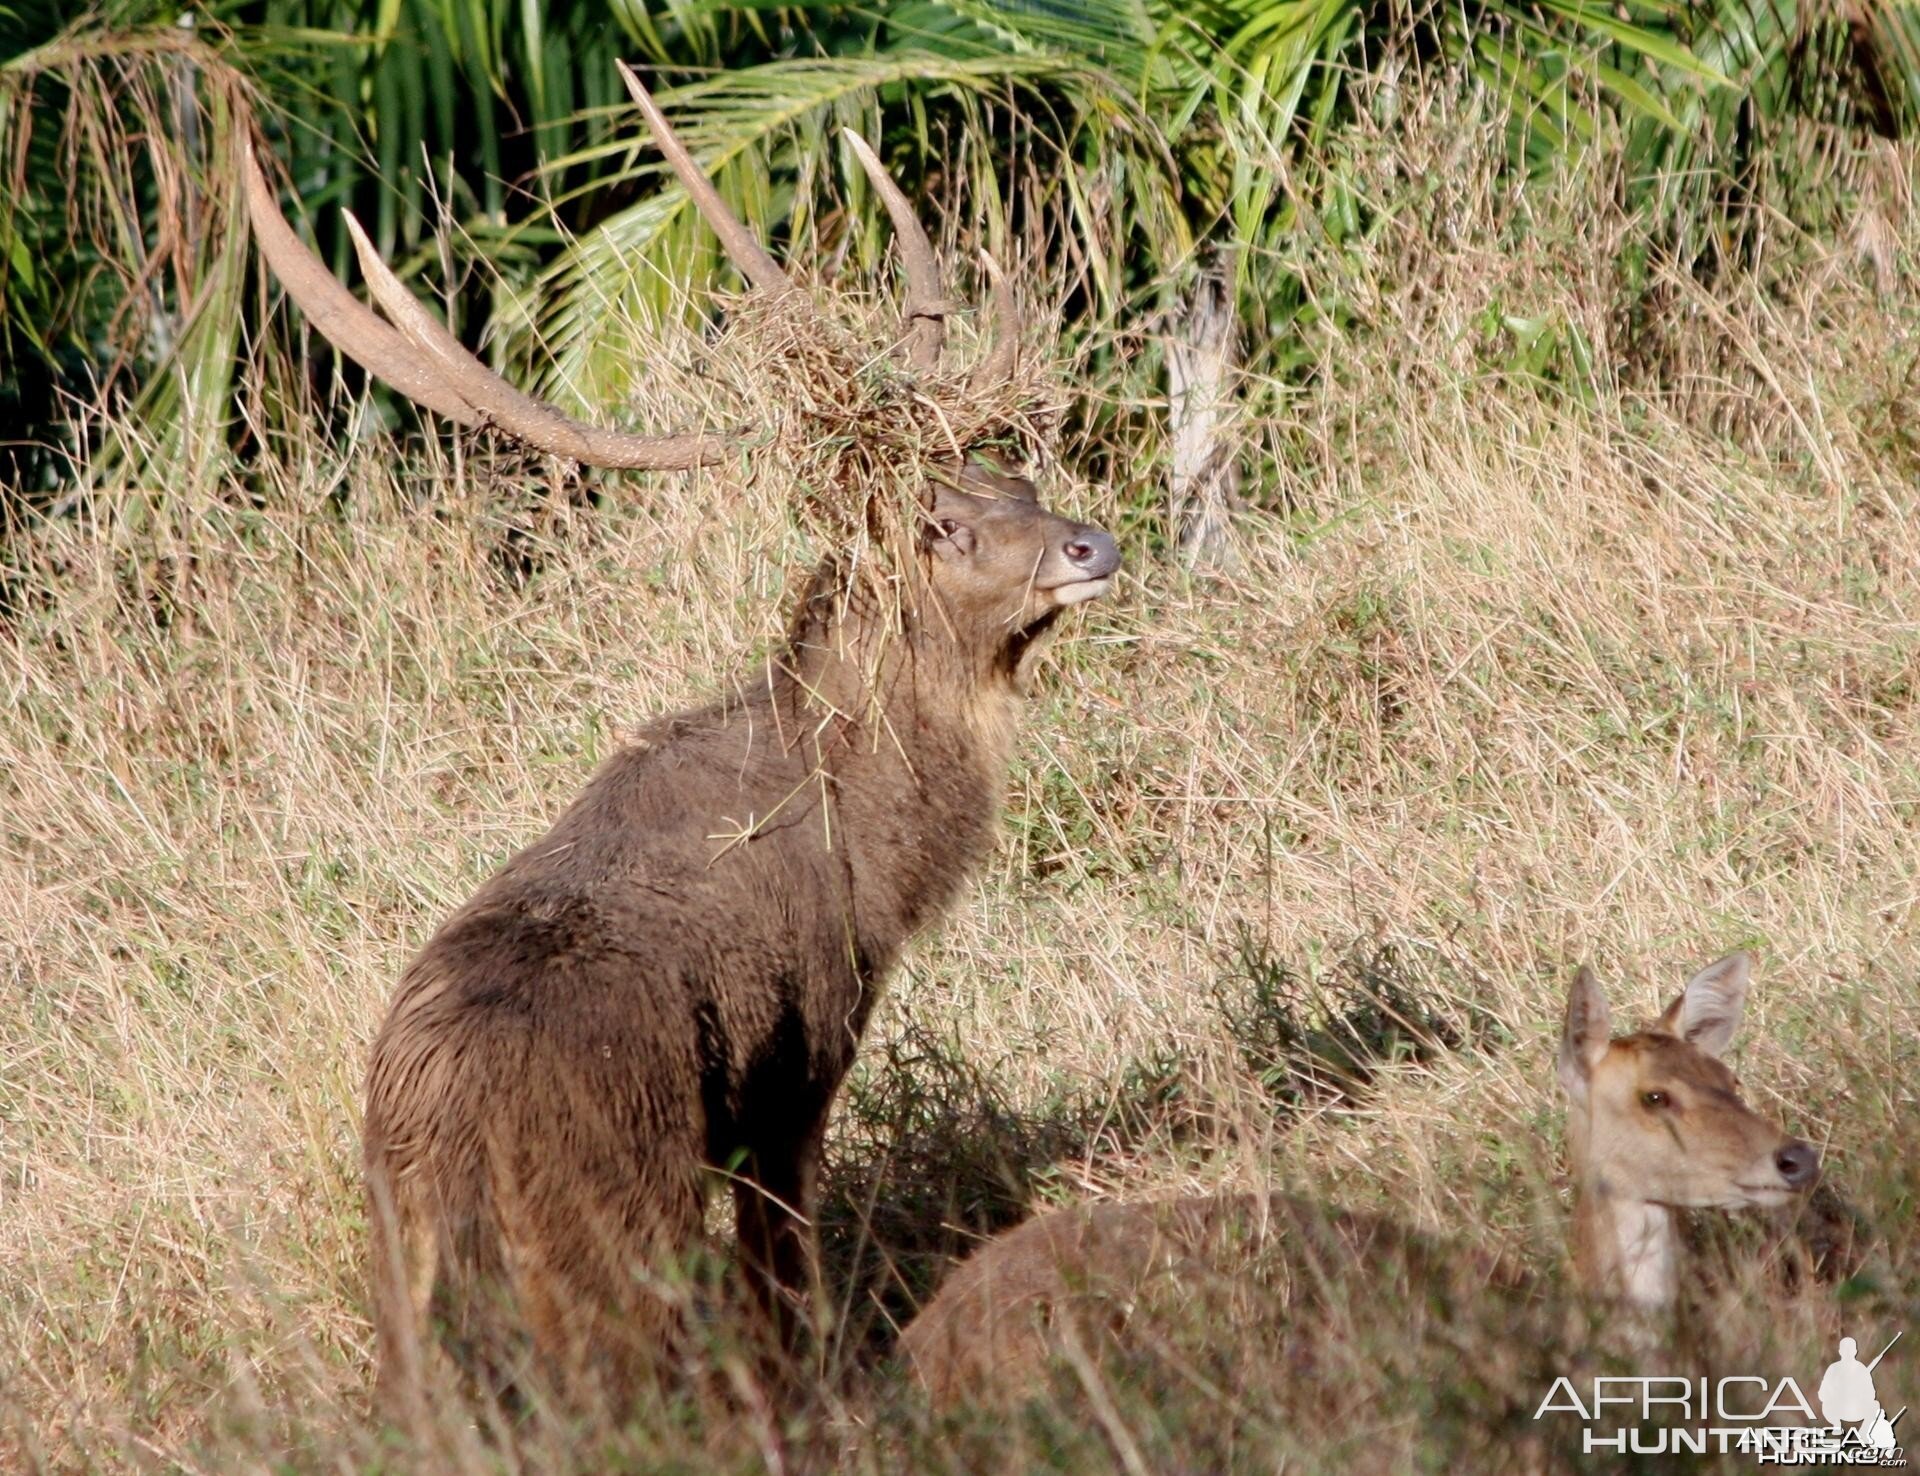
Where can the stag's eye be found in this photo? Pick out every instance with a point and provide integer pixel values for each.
(950, 539)
(1655, 1099)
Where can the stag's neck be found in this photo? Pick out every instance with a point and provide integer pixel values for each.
(848, 640)
(1625, 1249)
(888, 683)
(914, 744)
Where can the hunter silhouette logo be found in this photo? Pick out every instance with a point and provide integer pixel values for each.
(1847, 1396)
(1845, 1424)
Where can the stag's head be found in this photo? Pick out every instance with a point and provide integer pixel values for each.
(974, 556)
(999, 568)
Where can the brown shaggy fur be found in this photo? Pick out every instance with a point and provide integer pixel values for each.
(675, 977)
(1084, 1272)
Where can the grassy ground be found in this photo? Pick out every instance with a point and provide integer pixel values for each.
(1603, 651)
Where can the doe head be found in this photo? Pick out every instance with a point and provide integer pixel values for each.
(1657, 1115)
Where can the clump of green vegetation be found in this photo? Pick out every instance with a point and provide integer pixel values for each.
(1318, 1039)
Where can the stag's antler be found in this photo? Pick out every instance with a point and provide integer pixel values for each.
(998, 366)
(341, 318)
(926, 309)
(419, 357)
(927, 306)
(748, 254)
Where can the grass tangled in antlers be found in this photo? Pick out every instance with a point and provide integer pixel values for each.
(852, 431)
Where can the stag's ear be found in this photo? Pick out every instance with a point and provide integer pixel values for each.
(1707, 1012)
(1584, 1038)
(989, 474)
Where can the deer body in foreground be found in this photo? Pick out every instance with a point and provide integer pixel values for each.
(1655, 1123)
(673, 980)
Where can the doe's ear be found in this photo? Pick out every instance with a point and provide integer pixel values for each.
(1707, 1012)
(1586, 1034)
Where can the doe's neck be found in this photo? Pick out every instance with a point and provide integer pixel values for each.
(1624, 1248)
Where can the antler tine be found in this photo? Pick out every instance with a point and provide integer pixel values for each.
(748, 254)
(427, 363)
(342, 319)
(926, 307)
(520, 415)
(997, 368)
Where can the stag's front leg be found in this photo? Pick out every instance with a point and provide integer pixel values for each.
(774, 1207)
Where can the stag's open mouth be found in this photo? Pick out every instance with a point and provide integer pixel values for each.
(1086, 589)
(1761, 1196)
(1023, 643)
(1034, 630)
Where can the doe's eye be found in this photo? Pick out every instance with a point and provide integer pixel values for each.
(1655, 1099)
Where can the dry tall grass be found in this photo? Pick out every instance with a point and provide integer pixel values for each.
(1505, 681)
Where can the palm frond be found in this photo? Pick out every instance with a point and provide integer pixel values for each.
(132, 252)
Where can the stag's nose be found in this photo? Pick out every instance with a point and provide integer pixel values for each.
(1093, 552)
(1799, 1164)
